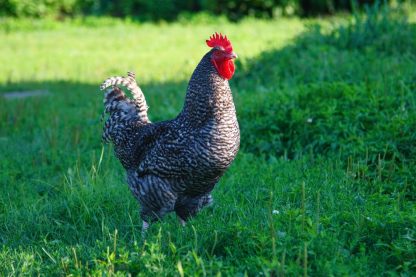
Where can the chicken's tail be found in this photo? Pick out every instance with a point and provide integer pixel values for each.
(124, 112)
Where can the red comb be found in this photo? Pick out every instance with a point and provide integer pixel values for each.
(218, 40)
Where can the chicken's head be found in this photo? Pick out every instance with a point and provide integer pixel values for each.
(222, 55)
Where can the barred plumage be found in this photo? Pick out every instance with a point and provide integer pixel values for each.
(174, 165)
(129, 82)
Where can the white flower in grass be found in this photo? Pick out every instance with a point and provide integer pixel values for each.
(281, 234)
(309, 120)
(275, 212)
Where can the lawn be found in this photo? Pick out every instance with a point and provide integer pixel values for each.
(324, 183)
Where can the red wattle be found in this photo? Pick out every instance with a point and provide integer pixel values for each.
(225, 68)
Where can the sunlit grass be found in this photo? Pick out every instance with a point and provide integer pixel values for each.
(156, 52)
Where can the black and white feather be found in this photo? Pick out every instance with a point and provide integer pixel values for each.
(173, 165)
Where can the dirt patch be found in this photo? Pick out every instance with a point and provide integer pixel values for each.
(24, 94)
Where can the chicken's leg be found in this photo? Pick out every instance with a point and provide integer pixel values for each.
(145, 226)
(182, 222)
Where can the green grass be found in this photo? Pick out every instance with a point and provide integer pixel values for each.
(324, 183)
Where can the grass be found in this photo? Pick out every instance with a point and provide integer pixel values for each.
(324, 183)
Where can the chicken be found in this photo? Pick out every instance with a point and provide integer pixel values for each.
(172, 166)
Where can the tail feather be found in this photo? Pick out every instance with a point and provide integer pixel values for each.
(123, 111)
(130, 83)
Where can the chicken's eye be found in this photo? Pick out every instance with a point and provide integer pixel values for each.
(218, 53)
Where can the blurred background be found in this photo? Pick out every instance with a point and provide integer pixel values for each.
(171, 10)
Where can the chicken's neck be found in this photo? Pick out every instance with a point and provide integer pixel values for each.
(208, 95)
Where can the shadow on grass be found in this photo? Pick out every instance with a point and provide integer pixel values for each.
(53, 162)
(349, 94)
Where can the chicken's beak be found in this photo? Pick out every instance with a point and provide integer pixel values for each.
(232, 55)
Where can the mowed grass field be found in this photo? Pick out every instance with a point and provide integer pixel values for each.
(324, 183)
